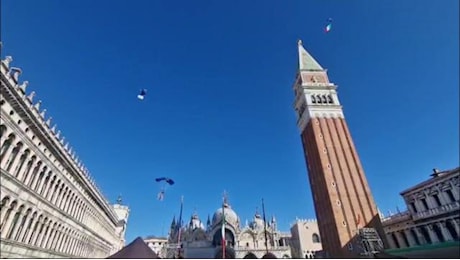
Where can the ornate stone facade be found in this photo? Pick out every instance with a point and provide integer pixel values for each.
(305, 240)
(199, 240)
(433, 214)
(50, 207)
(157, 244)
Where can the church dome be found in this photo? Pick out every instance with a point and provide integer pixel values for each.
(258, 222)
(230, 216)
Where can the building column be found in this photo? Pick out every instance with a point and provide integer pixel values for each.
(37, 177)
(57, 239)
(24, 229)
(455, 190)
(29, 172)
(409, 238)
(434, 238)
(2, 216)
(8, 222)
(21, 170)
(456, 225)
(36, 231)
(15, 165)
(4, 158)
(401, 239)
(40, 187)
(444, 231)
(46, 236)
(50, 239)
(13, 232)
(30, 231)
(419, 235)
(41, 234)
(390, 241)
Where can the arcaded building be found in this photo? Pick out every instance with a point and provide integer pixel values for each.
(432, 215)
(50, 207)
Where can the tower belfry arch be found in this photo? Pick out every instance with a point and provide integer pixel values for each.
(344, 205)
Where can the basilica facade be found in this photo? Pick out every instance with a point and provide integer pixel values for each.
(50, 207)
(204, 240)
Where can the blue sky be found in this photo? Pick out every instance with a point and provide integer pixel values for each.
(218, 114)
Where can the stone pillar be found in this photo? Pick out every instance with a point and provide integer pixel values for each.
(419, 235)
(434, 238)
(24, 229)
(37, 177)
(410, 238)
(7, 225)
(30, 173)
(2, 216)
(36, 231)
(13, 232)
(50, 239)
(30, 230)
(390, 241)
(57, 194)
(401, 240)
(15, 165)
(41, 235)
(46, 236)
(4, 158)
(40, 187)
(455, 190)
(20, 172)
(444, 231)
(56, 240)
(50, 191)
(456, 225)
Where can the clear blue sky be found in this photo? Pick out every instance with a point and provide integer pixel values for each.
(219, 113)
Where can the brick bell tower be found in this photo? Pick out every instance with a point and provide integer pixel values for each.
(343, 201)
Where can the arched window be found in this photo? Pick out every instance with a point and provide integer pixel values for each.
(13, 156)
(6, 145)
(313, 99)
(329, 99)
(15, 222)
(29, 168)
(21, 163)
(315, 238)
(318, 99)
(323, 98)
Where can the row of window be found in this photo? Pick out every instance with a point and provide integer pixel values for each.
(26, 167)
(24, 224)
(321, 99)
(435, 198)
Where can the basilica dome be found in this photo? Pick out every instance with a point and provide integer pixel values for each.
(230, 216)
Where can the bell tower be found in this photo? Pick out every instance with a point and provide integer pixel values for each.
(343, 201)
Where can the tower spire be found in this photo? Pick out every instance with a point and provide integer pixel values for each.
(306, 61)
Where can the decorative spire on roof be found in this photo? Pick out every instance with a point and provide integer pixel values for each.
(37, 105)
(42, 114)
(48, 122)
(7, 61)
(16, 72)
(31, 96)
(53, 129)
(23, 86)
(306, 61)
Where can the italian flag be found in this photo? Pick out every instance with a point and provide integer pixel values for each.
(223, 231)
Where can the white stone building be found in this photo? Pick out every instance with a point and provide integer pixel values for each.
(305, 240)
(50, 207)
(433, 214)
(157, 244)
(243, 241)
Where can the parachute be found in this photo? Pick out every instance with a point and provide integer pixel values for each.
(329, 25)
(164, 181)
(142, 94)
